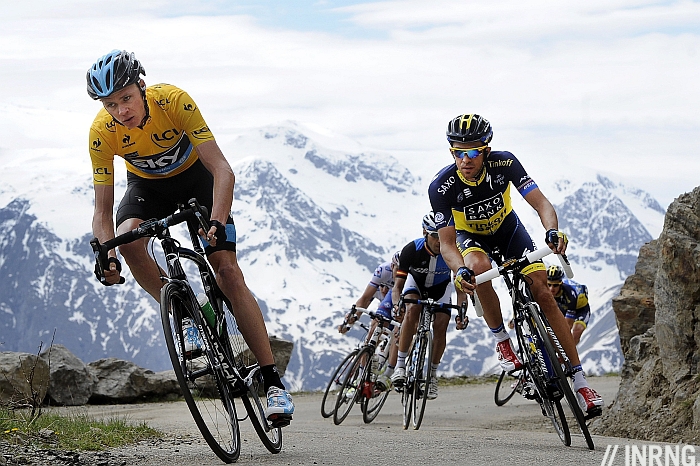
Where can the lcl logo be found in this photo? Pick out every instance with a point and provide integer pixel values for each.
(161, 140)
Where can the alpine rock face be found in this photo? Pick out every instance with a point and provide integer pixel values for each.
(313, 221)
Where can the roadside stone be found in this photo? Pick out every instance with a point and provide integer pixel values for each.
(120, 381)
(24, 378)
(71, 382)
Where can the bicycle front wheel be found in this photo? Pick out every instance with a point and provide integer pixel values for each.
(507, 386)
(353, 385)
(334, 384)
(270, 436)
(372, 405)
(561, 381)
(206, 391)
(407, 390)
(424, 356)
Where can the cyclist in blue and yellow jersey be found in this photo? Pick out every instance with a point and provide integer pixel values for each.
(423, 273)
(171, 156)
(572, 299)
(473, 213)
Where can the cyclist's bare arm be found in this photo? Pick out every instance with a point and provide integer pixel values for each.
(547, 214)
(396, 291)
(213, 159)
(103, 225)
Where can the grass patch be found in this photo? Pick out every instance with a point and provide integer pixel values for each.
(75, 431)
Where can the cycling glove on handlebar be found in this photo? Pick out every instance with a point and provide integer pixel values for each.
(463, 276)
(554, 236)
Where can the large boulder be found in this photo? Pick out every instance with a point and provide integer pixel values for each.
(71, 382)
(658, 399)
(281, 352)
(120, 381)
(24, 379)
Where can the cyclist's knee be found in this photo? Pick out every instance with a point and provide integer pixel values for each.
(229, 272)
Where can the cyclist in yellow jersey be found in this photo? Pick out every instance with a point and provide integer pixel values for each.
(171, 156)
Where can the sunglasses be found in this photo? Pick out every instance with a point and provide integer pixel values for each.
(469, 153)
(553, 284)
(434, 234)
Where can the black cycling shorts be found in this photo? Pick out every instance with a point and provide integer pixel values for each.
(511, 239)
(147, 199)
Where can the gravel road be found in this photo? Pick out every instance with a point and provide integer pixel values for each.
(463, 426)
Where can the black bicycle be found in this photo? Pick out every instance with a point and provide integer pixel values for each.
(335, 382)
(360, 383)
(212, 376)
(545, 364)
(415, 389)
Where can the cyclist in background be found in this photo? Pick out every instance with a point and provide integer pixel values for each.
(422, 273)
(572, 299)
(171, 156)
(378, 287)
(473, 213)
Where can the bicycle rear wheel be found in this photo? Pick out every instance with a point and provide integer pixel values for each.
(207, 393)
(424, 353)
(334, 384)
(507, 386)
(555, 354)
(531, 340)
(352, 385)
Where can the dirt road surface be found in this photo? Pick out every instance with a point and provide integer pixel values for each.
(463, 426)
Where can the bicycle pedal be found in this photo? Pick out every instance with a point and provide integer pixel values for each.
(595, 412)
(280, 420)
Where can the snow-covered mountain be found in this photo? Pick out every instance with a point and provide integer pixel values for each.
(315, 215)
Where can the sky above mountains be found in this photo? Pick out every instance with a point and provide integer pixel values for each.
(605, 85)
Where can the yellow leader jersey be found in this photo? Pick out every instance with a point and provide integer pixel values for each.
(162, 148)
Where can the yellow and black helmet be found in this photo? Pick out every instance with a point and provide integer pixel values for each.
(555, 274)
(469, 128)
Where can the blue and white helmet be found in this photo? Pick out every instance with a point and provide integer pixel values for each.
(429, 222)
(113, 72)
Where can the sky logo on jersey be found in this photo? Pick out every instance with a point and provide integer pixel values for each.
(164, 162)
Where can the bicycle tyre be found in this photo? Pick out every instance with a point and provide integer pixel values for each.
(535, 362)
(352, 385)
(506, 387)
(213, 413)
(270, 436)
(335, 381)
(420, 386)
(372, 406)
(407, 390)
(562, 380)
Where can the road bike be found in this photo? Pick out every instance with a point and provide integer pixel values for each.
(338, 376)
(420, 355)
(546, 367)
(212, 376)
(360, 383)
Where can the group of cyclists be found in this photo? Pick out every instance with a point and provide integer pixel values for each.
(471, 219)
(171, 156)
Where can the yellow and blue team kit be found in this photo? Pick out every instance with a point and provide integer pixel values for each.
(481, 210)
(164, 146)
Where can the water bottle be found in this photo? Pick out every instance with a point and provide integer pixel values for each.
(191, 336)
(208, 312)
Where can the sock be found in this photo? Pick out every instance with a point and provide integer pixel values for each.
(500, 333)
(433, 369)
(271, 377)
(401, 359)
(579, 378)
(389, 370)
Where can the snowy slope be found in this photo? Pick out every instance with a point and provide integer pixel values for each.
(315, 213)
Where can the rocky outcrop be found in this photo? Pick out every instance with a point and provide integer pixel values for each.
(658, 314)
(120, 381)
(71, 383)
(24, 379)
